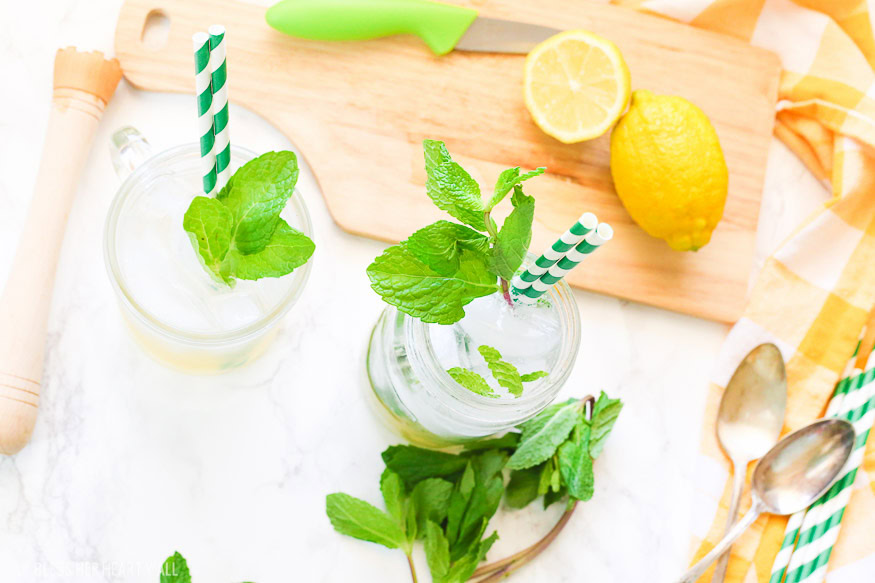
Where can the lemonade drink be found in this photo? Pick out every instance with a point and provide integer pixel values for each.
(177, 312)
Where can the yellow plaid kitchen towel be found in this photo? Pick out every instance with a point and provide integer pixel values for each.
(813, 295)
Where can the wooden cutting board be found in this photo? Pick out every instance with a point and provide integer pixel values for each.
(359, 111)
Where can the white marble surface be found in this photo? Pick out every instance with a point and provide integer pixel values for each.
(130, 461)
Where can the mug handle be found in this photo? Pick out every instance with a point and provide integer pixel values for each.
(128, 149)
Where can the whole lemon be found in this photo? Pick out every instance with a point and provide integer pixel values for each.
(669, 170)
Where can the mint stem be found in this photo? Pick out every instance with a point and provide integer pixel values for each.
(412, 568)
(491, 229)
(505, 289)
(498, 570)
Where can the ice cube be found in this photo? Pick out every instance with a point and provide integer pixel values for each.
(233, 309)
(519, 333)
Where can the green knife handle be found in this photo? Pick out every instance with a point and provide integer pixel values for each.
(439, 25)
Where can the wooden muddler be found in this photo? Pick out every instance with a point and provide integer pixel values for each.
(83, 85)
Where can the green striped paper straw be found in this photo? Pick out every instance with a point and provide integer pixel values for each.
(810, 535)
(584, 225)
(794, 524)
(204, 96)
(836, 500)
(595, 239)
(822, 522)
(219, 86)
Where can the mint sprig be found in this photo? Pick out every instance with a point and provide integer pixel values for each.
(239, 234)
(441, 268)
(447, 500)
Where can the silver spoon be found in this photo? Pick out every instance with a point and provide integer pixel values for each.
(789, 478)
(749, 422)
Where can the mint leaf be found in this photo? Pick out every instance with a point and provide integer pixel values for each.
(175, 570)
(414, 464)
(533, 376)
(464, 567)
(358, 519)
(459, 502)
(437, 552)
(537, 446)
(484, 502)
(507, 180)
(506, 441)
(604, 415)
(431, 498)
(409, 524)
(489, 463)
(523, 487)
(257, 195)
(209, 225)
(474, 502)
(535, 424)
(286, 250)
(504, 372)
(450, 187)
(472, 381)
(575, 464)
(513, 239)
(485, 545)
(393, 494)
(440, 244)
(552, 497)
(550, 478)
(416, 289)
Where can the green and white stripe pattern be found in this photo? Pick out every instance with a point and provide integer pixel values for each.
(584, 225)
(810, 535)
(529, 292)
(204, 94)
(219, 85)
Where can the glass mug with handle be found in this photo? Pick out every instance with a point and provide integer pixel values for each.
(175, 310)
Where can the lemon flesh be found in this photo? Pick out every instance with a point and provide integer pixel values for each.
(576, 85)
(669, 170)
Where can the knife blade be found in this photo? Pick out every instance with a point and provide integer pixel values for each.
(443, 27)
(495, 35)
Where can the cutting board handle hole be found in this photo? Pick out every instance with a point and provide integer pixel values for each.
(156, 30)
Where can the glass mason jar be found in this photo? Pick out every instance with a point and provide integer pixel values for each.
(175, 310)
(415, 395)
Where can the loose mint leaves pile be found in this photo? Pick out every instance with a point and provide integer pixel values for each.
(446, 500)
(504, 372)
(444, 266)
(239, 234)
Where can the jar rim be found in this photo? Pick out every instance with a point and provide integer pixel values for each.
(127, 188)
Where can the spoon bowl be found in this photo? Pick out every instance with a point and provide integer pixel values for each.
(803, 465)
(752, 407)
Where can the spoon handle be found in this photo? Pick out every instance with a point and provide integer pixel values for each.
(742, 525)
(738, 476)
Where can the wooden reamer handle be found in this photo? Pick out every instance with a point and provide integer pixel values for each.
(83, 85)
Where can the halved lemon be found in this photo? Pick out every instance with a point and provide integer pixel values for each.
(576, 85)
